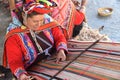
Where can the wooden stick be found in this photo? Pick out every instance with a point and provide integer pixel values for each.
(12, 4)
(76, 57)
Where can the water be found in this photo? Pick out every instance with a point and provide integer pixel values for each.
(111, 23)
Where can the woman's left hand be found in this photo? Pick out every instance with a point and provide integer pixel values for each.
(82, 9)
(61, 56)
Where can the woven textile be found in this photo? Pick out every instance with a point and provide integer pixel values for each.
(65, 14)
(101, 62)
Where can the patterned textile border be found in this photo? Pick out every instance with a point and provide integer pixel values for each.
(89, 66)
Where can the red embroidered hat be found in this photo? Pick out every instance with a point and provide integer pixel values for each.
(31, 6)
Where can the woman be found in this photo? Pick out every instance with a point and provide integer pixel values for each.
(65, 13)
(70, 16)
(24, 45)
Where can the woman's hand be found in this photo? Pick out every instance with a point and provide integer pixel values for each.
(26, 77)
(61, 56)
(82, 9)
(76, 3)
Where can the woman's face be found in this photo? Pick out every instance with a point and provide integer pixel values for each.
(35, 21)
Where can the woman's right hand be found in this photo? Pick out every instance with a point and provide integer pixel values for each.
(26, 77)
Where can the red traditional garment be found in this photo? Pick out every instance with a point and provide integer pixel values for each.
(67, 16)
(22, 45)
(21, 50)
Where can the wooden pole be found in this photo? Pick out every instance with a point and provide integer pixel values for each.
(76, 57)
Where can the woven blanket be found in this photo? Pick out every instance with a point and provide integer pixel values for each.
(101, 62)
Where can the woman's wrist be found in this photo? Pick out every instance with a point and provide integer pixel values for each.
(83, 7)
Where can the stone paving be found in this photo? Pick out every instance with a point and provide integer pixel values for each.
(4, 21)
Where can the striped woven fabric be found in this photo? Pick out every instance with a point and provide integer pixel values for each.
(101, 62)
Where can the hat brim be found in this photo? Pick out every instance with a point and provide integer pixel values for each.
(41, 10)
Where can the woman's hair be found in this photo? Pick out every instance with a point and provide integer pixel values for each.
(32, 14)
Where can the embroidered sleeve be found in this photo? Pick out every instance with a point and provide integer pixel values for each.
(14, 55)
(60, 41)
(19, 71)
